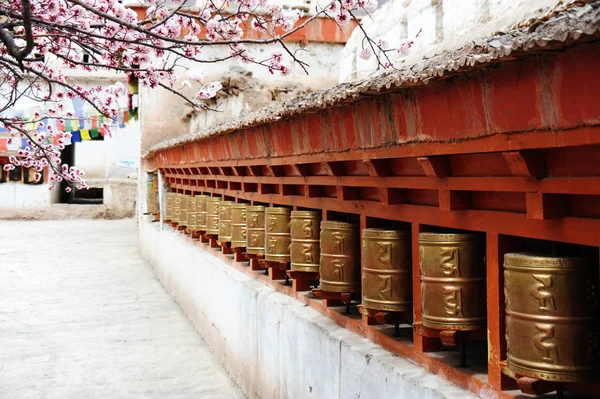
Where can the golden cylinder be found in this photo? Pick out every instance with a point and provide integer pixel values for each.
(176, 204)
(552, 317)
(277, 234)
(225, 221)
(238, 225)
(212, 215)
(169, 206)
(453, 288)
(183, 201)
(340, 267)
(386, 270)
(305, 234)
(191, 213)
(200, 212)
(155, 195)
(255, 229)
(150, 200)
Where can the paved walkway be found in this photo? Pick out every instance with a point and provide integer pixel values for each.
(83, 316)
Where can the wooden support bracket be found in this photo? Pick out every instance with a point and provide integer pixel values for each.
(435, 166)
(334, 168)
(377, 167)
(526, 163)
(301, 169)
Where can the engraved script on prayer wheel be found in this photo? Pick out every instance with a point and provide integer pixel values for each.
(255, 229)
(212, 215)
(183, 201)
(386, 270)
(225, 221)
(552, 317)
(340, 267)
(200, 212)
(169, 206)
(277, 234)
(176, 203)
(305, 233)
(238, 225)
(191, 213)
(453, 287)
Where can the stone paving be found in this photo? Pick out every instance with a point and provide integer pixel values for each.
(83, 316)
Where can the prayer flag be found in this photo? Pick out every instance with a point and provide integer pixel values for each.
(13, 145)
(95, 134)
(75, 136)
(75, 124)
(68, 126)
(85, 134)
(3, 145)
(25, 145)
(94, 122)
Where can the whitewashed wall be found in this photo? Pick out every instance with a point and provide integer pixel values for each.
(444, 24)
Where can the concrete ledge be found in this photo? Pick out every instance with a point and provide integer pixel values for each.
(273, 345)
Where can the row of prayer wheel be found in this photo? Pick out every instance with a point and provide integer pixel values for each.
(552, 303)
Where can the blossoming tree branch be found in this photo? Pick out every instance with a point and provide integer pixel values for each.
(37, 36)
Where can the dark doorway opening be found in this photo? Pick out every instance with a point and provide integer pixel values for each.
(68, 157)
(93, 195)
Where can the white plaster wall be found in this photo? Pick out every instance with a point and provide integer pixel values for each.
(90, 157)
(273, 345)
(445, 25)
(165, 115)
(19, 195)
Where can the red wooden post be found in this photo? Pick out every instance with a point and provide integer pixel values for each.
(496, 246)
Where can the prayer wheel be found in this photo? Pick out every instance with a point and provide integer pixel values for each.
(212, 215)
(150, 200)
(169, 206)
(453, 287)
(340, 267)
(255, 229)
(386, 270)
(200, 212)
(176, 204)
(277, 234)
(305, 233)
(191, 213)
(225, 221)
(552, 317)
(238, 225)
(183, 201)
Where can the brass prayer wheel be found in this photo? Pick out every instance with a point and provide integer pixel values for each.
(340, 267)
(212, 215)
(552, 317)
(150, 200)
(183, 201)
(277, 234)
(191, 213)
(255, 229)
(200, 212)
(169, 206)
(453, 287)
(305, 234)
(238, 225)
(386, 270)
(176, 204)
(225, 221)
